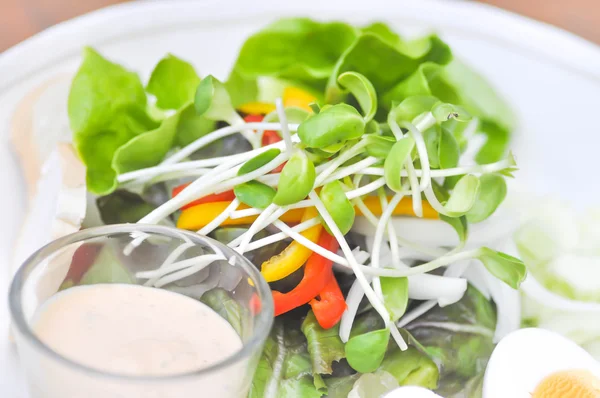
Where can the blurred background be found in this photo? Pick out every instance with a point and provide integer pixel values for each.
(20, 19)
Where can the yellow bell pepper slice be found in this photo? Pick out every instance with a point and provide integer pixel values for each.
(293, 96)
(198, 216)
(256, 108)
(293, 256)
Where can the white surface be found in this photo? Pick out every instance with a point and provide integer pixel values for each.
(525, 357)
(552, 79)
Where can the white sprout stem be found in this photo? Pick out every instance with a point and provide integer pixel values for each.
(353, 169)
(285, 132)
(211, 226)
(218, 134)
(202, 187)
(375, 302)
(341, 159)
(378, 239)
(184, 264)
(364, 190)
(184, 273)
(391, 232)
(415, 313)
(455, 171)
(179, 250)
(257, 225)
(282, 235)
(422, 151)
(373, 171)
(434, 202)
(353, 299)
(414, 186)
(270, 220)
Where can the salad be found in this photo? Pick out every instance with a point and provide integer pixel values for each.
(332, 157)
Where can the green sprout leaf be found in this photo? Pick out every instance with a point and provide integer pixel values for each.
(173, 82)
(395, 296)
(411, 107)
(258, 161)
(296, 180)
(508, 269)
(463, 196)
(337, 204)
(379, 146)
(335, 124)
(395, 161)
(363, 91)
(365, 352)
(492, 192)
(212, 101)
(442, 148)
(255, 194)
(444, 112)
(459, 224)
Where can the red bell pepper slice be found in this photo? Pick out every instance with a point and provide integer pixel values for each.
(269, 136)
(317, 273)
(331, 306)
(226, 196)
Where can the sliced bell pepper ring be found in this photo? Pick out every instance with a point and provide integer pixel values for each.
(198, 216)
(294, 256)
(316, 276)
(215, 197)
(331, 304)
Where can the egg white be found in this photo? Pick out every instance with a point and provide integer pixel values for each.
(411, 392)
(525, 357)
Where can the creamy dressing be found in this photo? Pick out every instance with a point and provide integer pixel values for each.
(134, 330)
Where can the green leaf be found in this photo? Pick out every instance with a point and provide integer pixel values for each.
(227, 307)
(411, 107)
(463, 196)
(508, 269)
(365, 352)
(258, 161)
(107, 108)
(492, 192)
(334, 124)
(147, 149)
(411, 368)
(394, 163)
(459, 224)
(373, 385)
(340, 387)
(379, 146)
(444, 112)
(448, 150)
(295, 49)
(284, 370)
(255, 194)
(496, 145)
(173, 82)
(296, 180)
(373, 55)
(212, 101)
(459, 338)
(338, 206)
(362, 89)
(122, 207)
(191, 126)
(395, 296)
(324, 345)
(241, 90)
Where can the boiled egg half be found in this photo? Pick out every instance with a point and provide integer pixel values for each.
(537, 363)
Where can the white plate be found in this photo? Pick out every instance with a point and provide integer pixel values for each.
(552, 79)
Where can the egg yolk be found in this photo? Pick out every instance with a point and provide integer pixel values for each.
(568, 384)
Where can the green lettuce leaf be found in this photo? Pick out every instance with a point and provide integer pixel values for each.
(223, 304)
(107, 108)
(122, 207)
(386, 62)
(459, 338)
(284, 369)
(173, 82)
(324, 345)
(295, 49)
